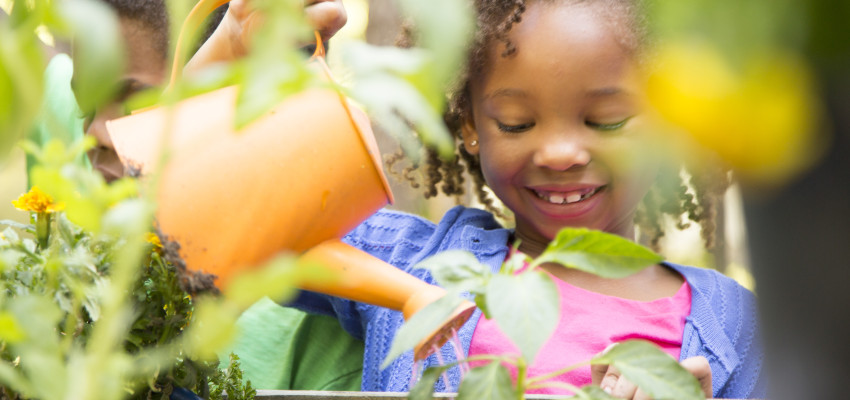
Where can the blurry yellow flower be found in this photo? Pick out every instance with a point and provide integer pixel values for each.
(153, 239)
(10, 330)
(762, 118)
(37, 201)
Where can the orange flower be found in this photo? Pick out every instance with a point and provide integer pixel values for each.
(37, 201)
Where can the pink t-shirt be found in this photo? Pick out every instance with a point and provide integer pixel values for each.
(589, 323)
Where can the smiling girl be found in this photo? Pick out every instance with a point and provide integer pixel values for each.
(552, 118)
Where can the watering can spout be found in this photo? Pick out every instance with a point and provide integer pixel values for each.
(361, 277)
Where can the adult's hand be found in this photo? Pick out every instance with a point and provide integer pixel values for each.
(232, 38)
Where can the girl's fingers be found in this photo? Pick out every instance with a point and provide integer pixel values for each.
(610, 379)
(699, 367)
(624, 388)
(597, 372)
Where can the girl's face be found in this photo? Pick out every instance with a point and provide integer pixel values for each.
(559, 127)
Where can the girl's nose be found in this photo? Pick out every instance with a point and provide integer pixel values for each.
(562, 153)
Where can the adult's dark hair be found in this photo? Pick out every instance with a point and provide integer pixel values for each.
(153, 14)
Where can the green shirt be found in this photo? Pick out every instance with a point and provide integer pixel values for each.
(284, 348)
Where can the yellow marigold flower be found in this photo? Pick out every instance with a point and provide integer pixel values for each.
(37, 201)
(153, 239)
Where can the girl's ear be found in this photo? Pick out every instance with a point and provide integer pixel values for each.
(470, 136)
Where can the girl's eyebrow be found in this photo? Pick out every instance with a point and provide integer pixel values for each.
(506, 92)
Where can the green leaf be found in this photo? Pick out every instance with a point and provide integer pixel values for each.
(396, 104)
(10, 234)
(424, 389)
(129, 217)
(421, 324)
(600, 253)
(10, 330)
(60, 117)
(526, 307)
(41, 354)
(24, 308)
(274, 69)
(491, 381)
(276, 279)
(99, 56)
(14, 379)
(481, 302)
(444, 27)
(21, 84)
(516, 262)
(212, 328)
(457, 270)
(653, 370)
(593, 392)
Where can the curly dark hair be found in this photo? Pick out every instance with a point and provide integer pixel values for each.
(684, 196)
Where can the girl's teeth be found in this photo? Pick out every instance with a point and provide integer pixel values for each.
(565, 198)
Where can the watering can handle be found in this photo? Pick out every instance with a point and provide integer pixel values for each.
(194, 20)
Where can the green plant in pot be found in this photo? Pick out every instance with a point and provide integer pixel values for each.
(102, 312)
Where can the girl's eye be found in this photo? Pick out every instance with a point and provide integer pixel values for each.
(514, 128)
(607, 127)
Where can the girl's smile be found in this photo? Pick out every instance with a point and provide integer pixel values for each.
(567, 202)
(558, 125)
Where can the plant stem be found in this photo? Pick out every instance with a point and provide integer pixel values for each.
(563, 385)
(42, 229)
(522, 371)
(553, 374)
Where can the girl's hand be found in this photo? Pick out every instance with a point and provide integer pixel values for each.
(610, 380)
(232, 37)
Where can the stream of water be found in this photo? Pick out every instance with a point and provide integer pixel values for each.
(419, 366)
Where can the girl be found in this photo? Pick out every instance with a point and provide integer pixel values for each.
(551, 118)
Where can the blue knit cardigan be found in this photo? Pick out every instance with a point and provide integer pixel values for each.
(722, 326)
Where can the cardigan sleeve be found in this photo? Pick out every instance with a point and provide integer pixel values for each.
(741, 324)
(723, 327)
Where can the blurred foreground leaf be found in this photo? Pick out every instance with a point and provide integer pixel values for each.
(21, 82)
(653, 370)
(490, 381)
(98, 53)
(530, 314)
(422, 324)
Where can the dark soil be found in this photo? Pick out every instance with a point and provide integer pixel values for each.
(192, 282)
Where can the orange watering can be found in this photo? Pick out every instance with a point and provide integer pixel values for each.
(298, 178)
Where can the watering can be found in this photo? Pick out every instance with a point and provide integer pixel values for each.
(296, 179)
